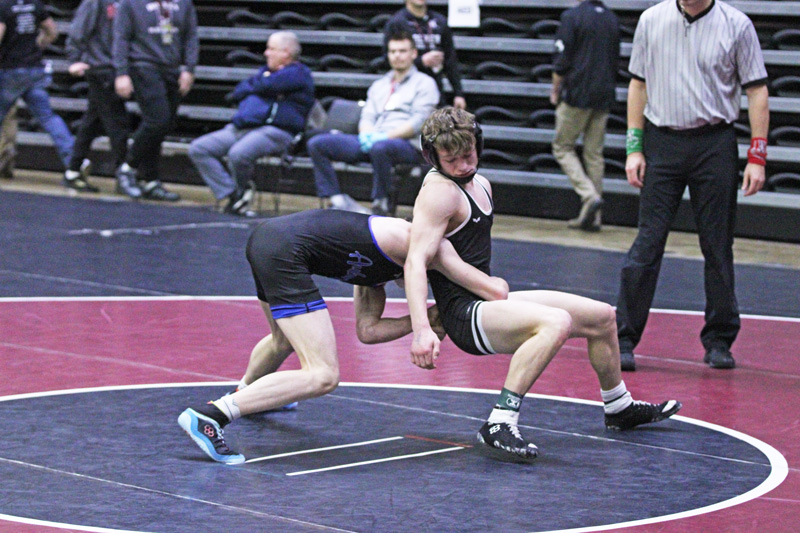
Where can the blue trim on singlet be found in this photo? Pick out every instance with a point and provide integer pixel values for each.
(286, 311)
(372, 236)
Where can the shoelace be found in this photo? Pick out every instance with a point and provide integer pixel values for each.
(514, 430)
(219, 442)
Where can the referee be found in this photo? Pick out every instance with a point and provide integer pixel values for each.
(689, 63)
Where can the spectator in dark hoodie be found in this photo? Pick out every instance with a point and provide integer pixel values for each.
(273, 106)
(155, 52)
(89, 53)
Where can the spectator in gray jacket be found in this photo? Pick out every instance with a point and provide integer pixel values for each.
(155, 52)
(389, 128)
(89, 53)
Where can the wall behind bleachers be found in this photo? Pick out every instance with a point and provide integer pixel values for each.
(506, 69)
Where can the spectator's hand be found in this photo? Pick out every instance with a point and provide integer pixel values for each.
(425, 349)
(185, 82)
(459, 102)
(754, 177)
(365, 140)
(634, 169)
(377, 136)
(433, 59)
(123, 85)
(554, 97)
(78, 69)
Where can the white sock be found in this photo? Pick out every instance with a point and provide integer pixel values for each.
(500, 416)
(242, 385)
(125, 167)
(227, 405)
(616, 399)
(72, 174)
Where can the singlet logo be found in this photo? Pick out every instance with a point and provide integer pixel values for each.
(357, 264)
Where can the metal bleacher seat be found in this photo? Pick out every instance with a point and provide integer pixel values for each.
(341, 63)
(343, 22)
(290, 20)
(786, 86)
(786, 39)
(786, 182)
(245, 17)
(785, 136)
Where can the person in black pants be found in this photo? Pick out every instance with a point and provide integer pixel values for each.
(89, 53)
(680, 134)
(155, 52)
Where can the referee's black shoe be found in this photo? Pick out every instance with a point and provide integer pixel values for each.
(638, 413)
(719, 358)
(503, 441)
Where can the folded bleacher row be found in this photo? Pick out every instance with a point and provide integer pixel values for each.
(506, 70)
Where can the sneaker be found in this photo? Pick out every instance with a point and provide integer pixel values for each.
(638, 413)
(207, 434)
(380, 207)
(627, 361)
(587, 220)
(345, 202)
(126, 182)
(153, 190)
(239, 202)
(77, 183)
(504, 442)
(719, 358)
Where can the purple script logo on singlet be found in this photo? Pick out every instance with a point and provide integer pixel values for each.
(357, 263)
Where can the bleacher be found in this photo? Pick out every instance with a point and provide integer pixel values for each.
(506, 77)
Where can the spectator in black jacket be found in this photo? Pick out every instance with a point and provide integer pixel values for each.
(584, 81)
(272, 107)
(155, 52)
(434, 41)
(89, 53)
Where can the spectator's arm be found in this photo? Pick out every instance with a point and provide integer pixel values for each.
(291, 78)
(47, 32)
(369, 113)
(191, 45)
(123, 34)
(451, 62)
(2, 31)
(83, 25)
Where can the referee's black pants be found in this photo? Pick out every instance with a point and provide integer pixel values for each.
(706, 160)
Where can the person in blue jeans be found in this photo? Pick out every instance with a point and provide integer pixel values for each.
(272, 107)
(25, 29)
(397, 105)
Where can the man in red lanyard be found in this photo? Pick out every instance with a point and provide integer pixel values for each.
(397, 105)
(434, 40)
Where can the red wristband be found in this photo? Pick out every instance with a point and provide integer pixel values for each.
(757, 153)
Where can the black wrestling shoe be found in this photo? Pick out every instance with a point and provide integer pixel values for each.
(638, 413)
(153, 190)
(504, 442)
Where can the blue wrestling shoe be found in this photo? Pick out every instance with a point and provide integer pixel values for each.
(207, 434)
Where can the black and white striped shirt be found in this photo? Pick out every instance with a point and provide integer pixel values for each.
(695, 68)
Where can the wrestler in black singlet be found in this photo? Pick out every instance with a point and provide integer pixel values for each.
(458, 307)
(285, 251)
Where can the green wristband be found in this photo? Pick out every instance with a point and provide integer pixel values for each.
(634, 141)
